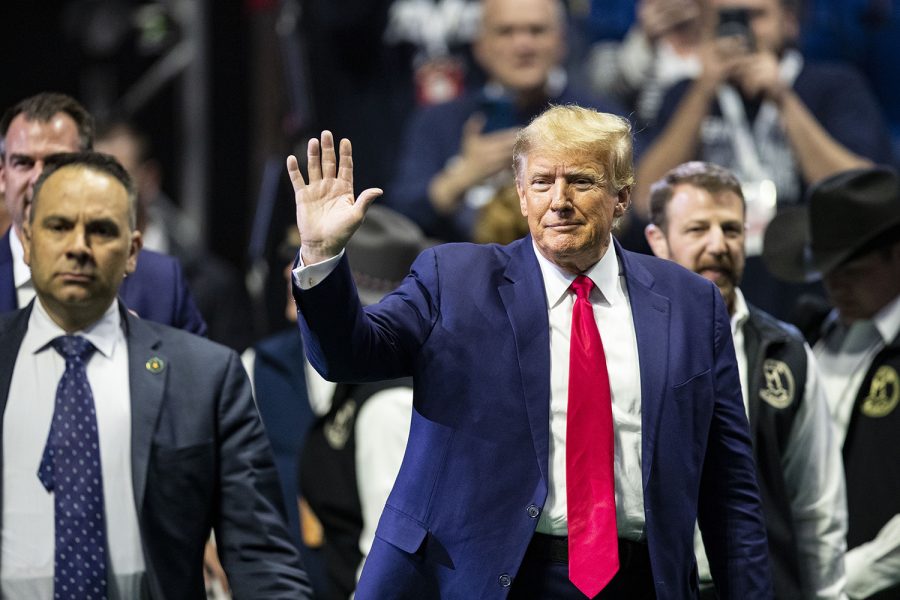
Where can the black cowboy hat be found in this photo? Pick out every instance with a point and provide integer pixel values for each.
(844, 215)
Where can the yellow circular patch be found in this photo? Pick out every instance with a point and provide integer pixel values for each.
(884, 393)
(780, 386)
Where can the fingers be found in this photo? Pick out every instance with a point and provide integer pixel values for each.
(313, 163)
(474, 125)
(329, 162)
(345, 171)
(367, 197)
(293, 168)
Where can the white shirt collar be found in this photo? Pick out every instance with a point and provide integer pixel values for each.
(741, 311)
(42, 330)
(887, 320)
(21, 271)
(604, 274)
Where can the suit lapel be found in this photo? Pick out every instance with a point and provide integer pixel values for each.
(525, 301)
(147, 375)
(8, 299)
(650, 312)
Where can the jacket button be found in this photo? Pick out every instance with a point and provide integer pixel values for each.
(533, 511)
(505, 580)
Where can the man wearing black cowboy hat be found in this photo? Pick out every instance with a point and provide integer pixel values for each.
(849, 237)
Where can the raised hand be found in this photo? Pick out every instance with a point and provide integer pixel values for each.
(327, 212)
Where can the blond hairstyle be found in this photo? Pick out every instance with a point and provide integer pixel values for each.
(573, 129)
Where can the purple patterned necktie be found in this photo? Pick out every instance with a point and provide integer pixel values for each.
(70, 468)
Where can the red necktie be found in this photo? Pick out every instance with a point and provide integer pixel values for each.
(590, 486)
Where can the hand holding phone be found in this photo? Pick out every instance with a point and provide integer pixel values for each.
(736, 22)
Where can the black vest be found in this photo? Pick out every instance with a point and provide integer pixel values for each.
(328, 482)
(776, 382)
(872, 453)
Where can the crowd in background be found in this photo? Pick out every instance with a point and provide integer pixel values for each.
(783, 93)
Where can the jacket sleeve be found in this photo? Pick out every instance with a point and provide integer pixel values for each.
(250, 524)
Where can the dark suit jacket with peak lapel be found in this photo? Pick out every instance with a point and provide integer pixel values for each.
(200, 460)
(157, 290)
(470, 324)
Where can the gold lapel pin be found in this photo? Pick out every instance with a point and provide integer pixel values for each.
(155, 365)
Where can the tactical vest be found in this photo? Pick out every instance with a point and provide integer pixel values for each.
(328, 481)
(776, 378)
(872, 453)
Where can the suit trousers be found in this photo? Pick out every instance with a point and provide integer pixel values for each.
(544, 573)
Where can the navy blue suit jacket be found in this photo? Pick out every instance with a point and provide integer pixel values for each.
(200, 459)
(156, 291)
(470, 324)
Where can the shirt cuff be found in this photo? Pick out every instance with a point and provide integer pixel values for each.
(307, 277)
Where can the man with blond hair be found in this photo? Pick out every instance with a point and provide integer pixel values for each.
(542, 463)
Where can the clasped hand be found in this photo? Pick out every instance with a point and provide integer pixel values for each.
(327, 212)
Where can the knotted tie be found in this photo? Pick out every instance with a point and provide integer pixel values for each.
(70, 468)
(590, 487)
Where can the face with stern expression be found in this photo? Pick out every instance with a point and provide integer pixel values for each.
(704, 232)
(80, 244)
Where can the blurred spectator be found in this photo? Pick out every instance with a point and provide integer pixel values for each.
(370, 62)
(849, 236)
(353, 453)
(217, 286)
(777, 121)
(49, 123)
(757, 108)
(455, 155)
(698, 221)
(659, 50)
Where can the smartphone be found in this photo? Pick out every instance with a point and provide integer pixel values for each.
(735, 21)
(499, 113)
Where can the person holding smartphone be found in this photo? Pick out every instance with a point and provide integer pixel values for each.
(455, 156)
(779, 122)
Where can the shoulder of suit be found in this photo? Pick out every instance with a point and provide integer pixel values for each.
(179, 341)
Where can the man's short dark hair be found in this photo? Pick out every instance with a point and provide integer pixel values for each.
(42, 107)
(95, 161)
(704, 175)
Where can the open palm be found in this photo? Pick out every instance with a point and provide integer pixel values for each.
(327, 212)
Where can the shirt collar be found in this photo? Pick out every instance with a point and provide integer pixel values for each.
(604, 274)
(741, 311)
(21, 271)
(104, 334)
(887, 320)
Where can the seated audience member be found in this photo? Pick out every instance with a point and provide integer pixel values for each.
(114, 478)
(352, 454)
(455, 155)
(697, 214)
(849, 237)
(217, 286)
(659, 50)
(31, 130)
(758, 108)
(777, 121)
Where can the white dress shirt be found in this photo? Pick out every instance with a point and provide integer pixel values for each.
(21, 271)
(26, 565)
(845, 355)
(612, 310)
(813, 472)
